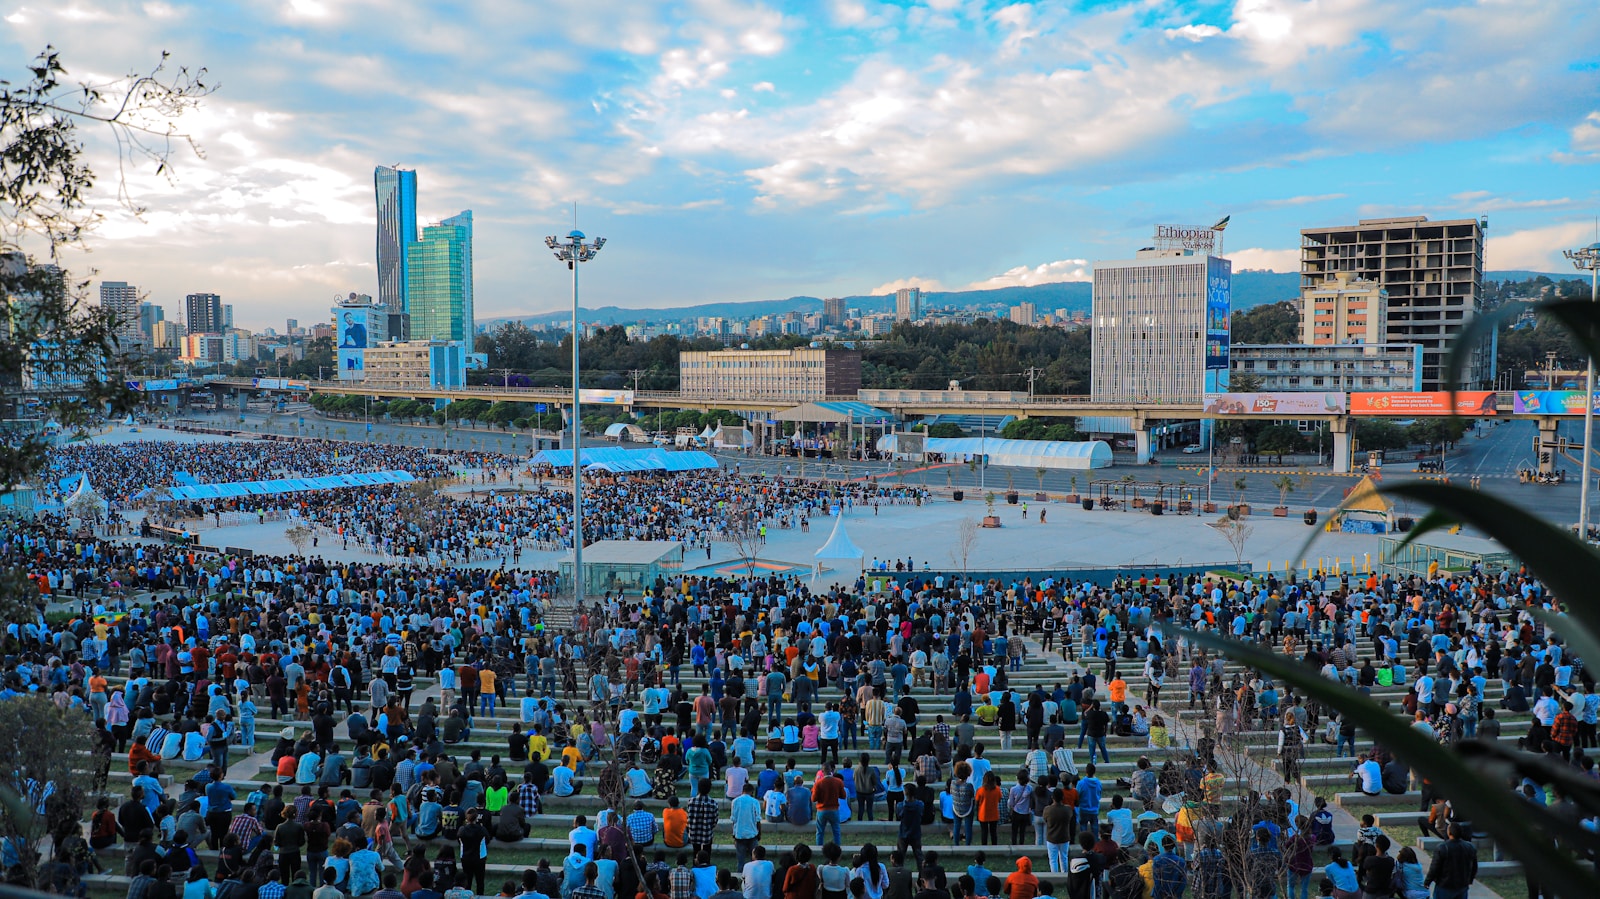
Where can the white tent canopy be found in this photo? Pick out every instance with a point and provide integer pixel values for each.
(84, 501)
(838, 547)
(1021, 453)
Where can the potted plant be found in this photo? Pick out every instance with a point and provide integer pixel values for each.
(1185, 503)
(1039, 473)
(990, 520)
(1241, 507)
(1138, 501)
(1073, 496)
(1310, 517)
(1285, 485)
(1088, 504)
(1011, 489)
(950, 481)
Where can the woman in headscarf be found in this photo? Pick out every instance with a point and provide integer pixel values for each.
(1021, 883)
(117, 720)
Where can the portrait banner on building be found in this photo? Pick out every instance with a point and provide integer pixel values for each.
(1287, 405)
(1474, 403)
(1219, 308)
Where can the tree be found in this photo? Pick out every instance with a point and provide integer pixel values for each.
(966, 539)
(1268, 323)
(946, 429)
(56, 345)
(1285, 484)
(1275, 440)
(1379, 434)
(34, 767)
(298, 536)
(1237, 532)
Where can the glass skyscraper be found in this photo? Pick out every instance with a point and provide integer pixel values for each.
(439, 281)
(396, 193)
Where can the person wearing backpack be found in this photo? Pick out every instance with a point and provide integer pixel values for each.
(1124, 881)
(1169, 872)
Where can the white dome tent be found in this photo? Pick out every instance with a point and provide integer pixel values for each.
(838, 547)
(1021, 453)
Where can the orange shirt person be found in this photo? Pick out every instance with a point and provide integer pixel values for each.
(1118, 689)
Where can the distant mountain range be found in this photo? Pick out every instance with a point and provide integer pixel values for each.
(1250, 288)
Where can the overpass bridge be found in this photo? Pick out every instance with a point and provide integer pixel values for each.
(1142, 415)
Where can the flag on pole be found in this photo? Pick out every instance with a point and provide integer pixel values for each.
(1222, 225)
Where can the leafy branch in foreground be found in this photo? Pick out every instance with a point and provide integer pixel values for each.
(1498, 812)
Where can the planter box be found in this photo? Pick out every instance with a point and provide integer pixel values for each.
(991, 521)
(1138, 503)
(1208, 507)
(1041, 497)
(1072, 497)
(1243, 509)
(958, 495)
(1088, 505)
(1280, 511)
(1185, 506)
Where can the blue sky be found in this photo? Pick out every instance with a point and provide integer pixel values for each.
(747, 150)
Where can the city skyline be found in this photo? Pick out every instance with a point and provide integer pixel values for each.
(738, 151)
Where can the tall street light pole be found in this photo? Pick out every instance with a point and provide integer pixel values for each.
(1587, 259)
(573, 250)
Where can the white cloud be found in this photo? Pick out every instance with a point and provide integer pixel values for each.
(1302, 200)
(763, 86)
(1045, 273)
(1477, 202)
(928, 284)
(1195, 33)
(1271, 260)
(1586, 136)
(1537, 249)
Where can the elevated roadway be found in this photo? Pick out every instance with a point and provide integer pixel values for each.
(900, 403)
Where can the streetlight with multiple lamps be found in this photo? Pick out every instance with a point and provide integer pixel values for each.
(574, 249)
(1587, 259)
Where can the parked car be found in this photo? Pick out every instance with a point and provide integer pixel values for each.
(1193, 448)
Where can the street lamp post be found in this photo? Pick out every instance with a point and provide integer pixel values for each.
(573, 250)
(1587, 259)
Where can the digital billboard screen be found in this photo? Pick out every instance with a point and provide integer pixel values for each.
(1219, 306)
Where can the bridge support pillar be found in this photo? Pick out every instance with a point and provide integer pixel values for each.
(244, 402)
(1141, 443)
(1546, 451)
(1339, 433)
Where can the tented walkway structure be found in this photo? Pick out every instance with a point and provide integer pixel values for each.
(1021, 453)
(618, 459)
(236, 489)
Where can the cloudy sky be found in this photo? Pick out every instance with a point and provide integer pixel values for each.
(747, 150)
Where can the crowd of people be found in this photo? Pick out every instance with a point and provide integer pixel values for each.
(765, 702)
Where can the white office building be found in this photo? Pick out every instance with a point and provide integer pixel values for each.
(1160, 324)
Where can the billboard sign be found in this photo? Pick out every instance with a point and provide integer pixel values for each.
(1286, 405)
(1473, 403)
(355, 329)
(606, 397)
(153, 386)
(1219, 306)
(1550, 402)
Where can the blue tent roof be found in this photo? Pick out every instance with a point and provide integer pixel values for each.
(234, 489)
(618, 459)
(857, 410)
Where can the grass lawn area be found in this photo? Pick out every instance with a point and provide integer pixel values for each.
(1507, 887)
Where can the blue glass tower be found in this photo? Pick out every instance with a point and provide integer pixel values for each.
(396, 193)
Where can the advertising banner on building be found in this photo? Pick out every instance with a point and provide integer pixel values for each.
(356, 328)
(155, 385)
(1219, 306)
(606, 397)
(1550, 402)
(1474, 403)
(1287, 405)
